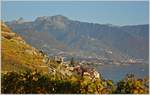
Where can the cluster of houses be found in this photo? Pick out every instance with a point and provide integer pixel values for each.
(86, 71)
(78, 69)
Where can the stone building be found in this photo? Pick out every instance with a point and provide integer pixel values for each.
(59, 59)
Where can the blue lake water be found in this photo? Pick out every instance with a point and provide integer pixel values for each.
(118, 72)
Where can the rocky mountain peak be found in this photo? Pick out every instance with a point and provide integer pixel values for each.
(57, 21)
(20, 20)
(59, 17)
(51, 18)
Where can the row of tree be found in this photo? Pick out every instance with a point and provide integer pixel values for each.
(35, 82)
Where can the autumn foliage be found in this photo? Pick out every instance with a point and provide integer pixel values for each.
(35, 82)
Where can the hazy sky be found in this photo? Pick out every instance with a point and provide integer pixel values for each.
(110, 12)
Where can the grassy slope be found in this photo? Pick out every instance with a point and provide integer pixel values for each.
(14, 56)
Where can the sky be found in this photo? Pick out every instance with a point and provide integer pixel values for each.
(109, 12)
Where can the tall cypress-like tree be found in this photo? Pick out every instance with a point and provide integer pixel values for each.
(72, 62)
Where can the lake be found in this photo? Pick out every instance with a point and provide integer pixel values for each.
(118, 72)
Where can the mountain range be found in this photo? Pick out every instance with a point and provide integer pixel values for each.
(59, 35)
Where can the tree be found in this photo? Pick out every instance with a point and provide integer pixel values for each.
(72, 62)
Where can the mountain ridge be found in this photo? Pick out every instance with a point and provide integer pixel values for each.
(67, 18)
(97, 38)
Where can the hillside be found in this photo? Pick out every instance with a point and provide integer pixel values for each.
(60, 35)
(17, 55)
